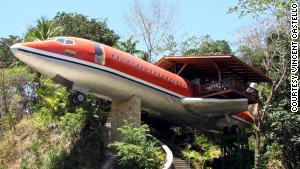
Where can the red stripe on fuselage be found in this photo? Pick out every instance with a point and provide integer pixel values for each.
(122, 61)
(143, 70)
(84, 50)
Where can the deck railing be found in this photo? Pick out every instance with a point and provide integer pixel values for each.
(225, 85)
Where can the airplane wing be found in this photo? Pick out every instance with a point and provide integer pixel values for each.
(210, 107)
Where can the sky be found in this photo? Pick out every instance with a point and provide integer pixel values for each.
(193, 17)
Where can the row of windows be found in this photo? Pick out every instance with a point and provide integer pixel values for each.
(148, 70)
(63, 41)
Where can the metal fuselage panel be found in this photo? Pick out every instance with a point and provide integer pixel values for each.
(107, 71)
(104, 81)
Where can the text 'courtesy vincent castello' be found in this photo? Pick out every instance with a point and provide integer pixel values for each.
(294, 58)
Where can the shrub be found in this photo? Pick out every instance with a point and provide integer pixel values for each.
(53, 97)
(194, 158)
(54, 157)
(135, 150)
(72, 123)
(208, 153)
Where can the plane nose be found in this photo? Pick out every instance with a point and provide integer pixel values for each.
(15, 47)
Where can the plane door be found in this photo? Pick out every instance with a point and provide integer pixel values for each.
(99, 57)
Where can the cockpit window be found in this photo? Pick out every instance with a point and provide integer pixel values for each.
(69, 42)
(60, 40)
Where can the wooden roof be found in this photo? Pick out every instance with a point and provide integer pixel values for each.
(229, 66)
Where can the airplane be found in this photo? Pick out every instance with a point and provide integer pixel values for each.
(89, 67)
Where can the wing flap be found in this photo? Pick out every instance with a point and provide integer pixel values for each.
(211, 107)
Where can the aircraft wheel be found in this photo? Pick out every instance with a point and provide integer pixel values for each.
(78, 98)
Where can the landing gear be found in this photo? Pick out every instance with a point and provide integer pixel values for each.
(78, 98)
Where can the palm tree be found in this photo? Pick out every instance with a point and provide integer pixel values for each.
(129, 46)
(45, 29)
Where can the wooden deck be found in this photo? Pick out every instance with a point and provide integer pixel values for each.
(227, 89)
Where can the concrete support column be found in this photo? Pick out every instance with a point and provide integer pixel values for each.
(129, 110)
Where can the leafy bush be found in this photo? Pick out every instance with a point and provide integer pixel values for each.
(72, 122)
(52, 97)
(135, 150)
(272, 157)
(208, 152)
(194, 158)
(54, 157)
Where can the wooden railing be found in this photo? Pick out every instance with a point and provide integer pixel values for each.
(225, 85)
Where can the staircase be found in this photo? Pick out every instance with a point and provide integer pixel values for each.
(179, 163)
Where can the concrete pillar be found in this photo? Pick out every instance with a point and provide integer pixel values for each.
(129, 110)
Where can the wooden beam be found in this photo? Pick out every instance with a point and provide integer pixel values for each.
(181, 69)
(243, 76)
(219, 72)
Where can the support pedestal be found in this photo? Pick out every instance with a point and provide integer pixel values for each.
(129, 110)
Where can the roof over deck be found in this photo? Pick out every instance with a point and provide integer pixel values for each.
(226, 66)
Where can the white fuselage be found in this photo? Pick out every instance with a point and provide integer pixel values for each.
(101, 80)
(104, 81)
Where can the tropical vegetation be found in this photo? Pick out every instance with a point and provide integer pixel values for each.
(40, 128)
(135, 150)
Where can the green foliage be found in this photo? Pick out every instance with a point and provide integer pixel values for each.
(211, 150)
(25, 164)
(272, 156)
(78, 25)
(6, 57)
(135, 150)
(35, 148)
(53, 157)
(129, 46)
(43, 30)
(208, 153)
(255, 8)
(71, 122)
(211, 47)
(196, 46)
(272, 56)
(57, 134)
(194, 158)
(16, 99)
(54, 98)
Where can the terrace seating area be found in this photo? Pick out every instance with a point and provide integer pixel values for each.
(226, 88)
(217, 76)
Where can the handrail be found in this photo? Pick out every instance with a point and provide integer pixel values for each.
(169, 154)
(169, 157)
(226, 84)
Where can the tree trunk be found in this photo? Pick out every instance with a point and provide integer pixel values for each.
(5, 104)
(257, 148)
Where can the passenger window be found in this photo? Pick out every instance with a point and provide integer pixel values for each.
(60, 40)
(69, 42)
(118, 57)
(113, 56)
